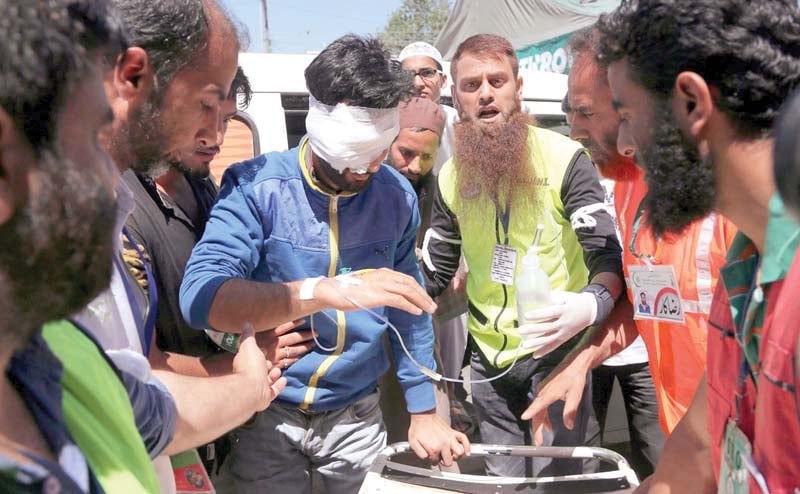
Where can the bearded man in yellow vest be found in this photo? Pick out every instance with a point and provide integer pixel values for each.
(506, 180)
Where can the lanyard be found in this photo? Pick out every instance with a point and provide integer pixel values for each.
(152, 297)
(637, 220)
(504, 217)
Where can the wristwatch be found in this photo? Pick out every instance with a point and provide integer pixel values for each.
(605, 301)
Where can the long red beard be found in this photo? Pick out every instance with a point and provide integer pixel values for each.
(493, 161)
(623, 170)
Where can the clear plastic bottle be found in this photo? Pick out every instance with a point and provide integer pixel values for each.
(533, 285)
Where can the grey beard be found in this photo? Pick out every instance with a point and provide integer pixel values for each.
(157, 169)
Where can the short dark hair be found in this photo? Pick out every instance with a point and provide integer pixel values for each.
(749, 51)
(486, 45)
(787, 153)
(359, 71)
(45, 50)
(240, 89)
(584, 41)
(172, 32)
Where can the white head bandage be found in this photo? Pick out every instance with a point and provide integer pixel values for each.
(350, 136)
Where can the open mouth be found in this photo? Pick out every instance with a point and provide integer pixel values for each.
(488, 113)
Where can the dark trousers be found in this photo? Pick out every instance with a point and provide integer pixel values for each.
(641, 409)
(500, 403)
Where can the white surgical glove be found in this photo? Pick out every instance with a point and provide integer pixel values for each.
(548, 328)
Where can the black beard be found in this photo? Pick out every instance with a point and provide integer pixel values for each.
(55, 252)
(146, 139)
(180, 167)
(681, 184)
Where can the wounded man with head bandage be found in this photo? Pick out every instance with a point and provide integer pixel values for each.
(316, 233)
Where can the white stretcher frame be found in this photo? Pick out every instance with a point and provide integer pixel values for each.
(385, 475)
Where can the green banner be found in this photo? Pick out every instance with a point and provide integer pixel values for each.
(587, 7)
(547, 56)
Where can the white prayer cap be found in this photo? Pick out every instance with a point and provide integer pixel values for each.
(421, 48)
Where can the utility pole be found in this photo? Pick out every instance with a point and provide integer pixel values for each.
(266, 25)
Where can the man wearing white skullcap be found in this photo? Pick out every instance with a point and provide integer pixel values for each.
(316, 233)
(425, 62)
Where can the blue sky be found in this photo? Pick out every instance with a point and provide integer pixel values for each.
(299, 26)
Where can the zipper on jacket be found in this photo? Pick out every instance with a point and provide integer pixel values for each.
(333, 219)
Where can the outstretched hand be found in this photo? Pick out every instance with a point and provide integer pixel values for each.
(375, 288)
(565, 384)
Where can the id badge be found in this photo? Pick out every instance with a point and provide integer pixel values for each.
(504, 264)
(736, 450)
(655, 294)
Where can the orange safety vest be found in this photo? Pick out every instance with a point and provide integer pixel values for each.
(677, 352)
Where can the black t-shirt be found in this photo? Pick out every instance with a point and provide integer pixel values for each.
(167, 236)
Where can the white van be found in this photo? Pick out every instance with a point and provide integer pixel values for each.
(276, 117)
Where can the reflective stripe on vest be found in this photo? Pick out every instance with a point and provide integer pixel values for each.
(703, 263)
(677, 352)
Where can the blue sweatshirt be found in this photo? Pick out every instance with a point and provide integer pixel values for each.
(272, 223)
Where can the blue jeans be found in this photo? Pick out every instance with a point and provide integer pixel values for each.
(284, 447)
(500, 404)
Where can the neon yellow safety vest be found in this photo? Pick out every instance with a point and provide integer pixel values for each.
(561, 254)
(98, 413)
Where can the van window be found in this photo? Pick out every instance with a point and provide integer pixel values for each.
(241, 143)
(295, 109)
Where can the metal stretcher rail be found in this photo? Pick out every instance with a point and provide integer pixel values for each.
(387, 476)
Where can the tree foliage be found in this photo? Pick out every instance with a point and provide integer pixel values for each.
(414, 20)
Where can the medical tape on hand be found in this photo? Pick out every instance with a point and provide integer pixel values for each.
(350, 136)
(347, 280)
(307, 288)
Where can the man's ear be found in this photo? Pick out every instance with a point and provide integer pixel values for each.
(134, 78)
(14, 153)
(444, 79)
(519, 88)
(692, 104)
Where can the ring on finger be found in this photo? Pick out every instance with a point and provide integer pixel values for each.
(287, 352)
(285, 363)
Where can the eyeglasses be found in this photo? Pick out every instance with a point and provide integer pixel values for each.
(427, 73)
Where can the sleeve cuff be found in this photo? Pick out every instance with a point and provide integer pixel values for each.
(196, 304)
(420, 397)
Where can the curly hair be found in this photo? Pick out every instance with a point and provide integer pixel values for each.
(360, 71)
(749, 51)
(45, 49)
